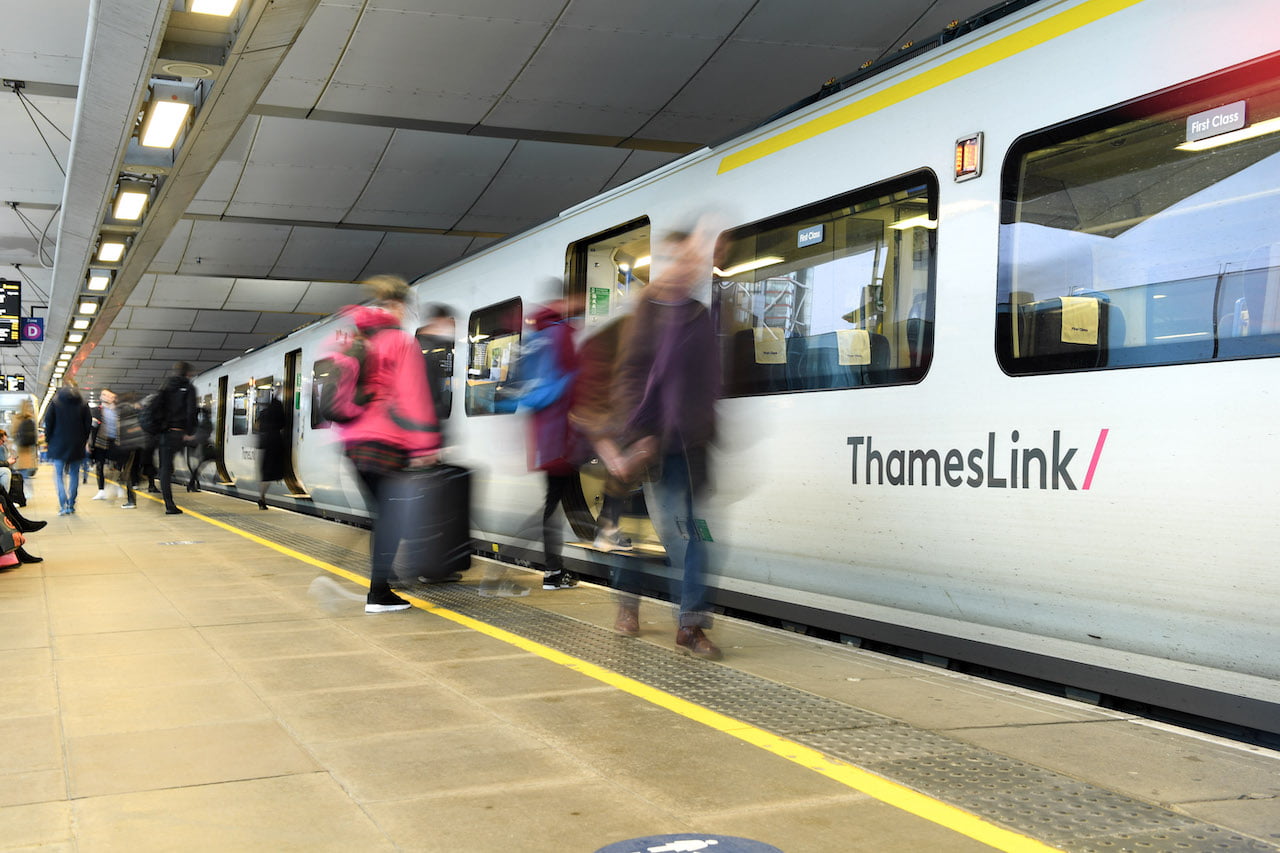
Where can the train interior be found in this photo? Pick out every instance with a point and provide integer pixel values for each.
(1106, 224)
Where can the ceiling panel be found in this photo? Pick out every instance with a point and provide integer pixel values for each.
(254, 295)
(190, 291)
(168, 319)
(411, 255)
(326, 297)
(325, 253)
(169, 257)
(428, 180)
(304, 71)
(719, 100)
(45, 43)
(316, 182)
(200, 340)
(224, 321)
(143, 337)
(538, 181)
(639, 163)
(429, 66)
(272, 324)
(233, 248)
(631, 71)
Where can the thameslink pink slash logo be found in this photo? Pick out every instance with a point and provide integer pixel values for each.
(1029, 467)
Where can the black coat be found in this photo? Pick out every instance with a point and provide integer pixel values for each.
(179, 404)
(273, 443)
(66, 426)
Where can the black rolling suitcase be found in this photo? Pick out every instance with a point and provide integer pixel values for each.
(428, 512)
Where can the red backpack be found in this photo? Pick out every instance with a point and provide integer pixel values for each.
(340, 379)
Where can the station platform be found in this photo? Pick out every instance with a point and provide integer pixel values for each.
(183, 683)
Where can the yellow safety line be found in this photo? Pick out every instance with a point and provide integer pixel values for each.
(868, 783)
(975, 60)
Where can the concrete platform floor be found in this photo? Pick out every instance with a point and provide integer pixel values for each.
(168, 685)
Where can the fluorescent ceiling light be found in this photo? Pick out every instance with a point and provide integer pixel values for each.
(69, 348)
(87, 307)
(99, 280)
(164, 121)
(213, 7)
(75, 337)
(80, 323)
(130, 201)
(921, 221)
(748, 266)
(1262, 128)
(111, 251)
(642, 262)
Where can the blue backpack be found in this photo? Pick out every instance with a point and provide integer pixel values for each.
(539, 379)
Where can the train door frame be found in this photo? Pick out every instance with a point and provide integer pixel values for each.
(220, 431)
(583, 281)
(292, 408)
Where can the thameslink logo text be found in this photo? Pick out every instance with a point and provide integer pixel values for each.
(1000, 465)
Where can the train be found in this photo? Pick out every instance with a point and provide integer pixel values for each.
(999, 328)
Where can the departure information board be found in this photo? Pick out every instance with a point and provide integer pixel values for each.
(10, 313)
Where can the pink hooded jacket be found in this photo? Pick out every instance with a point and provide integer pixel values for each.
(401, 413)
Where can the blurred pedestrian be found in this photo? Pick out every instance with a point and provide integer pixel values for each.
(273, 446)
(396, 429)
(26, 441)
(66, 431)
(205, 449)
(133, 445)
(667, 384)
(106, 434)
(177, 408)
(436, 339)
(546, 371)
(593, 414)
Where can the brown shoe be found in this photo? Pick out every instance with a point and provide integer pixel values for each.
(692, 641)
(628, 622)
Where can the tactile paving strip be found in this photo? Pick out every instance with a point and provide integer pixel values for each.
(1054, 808)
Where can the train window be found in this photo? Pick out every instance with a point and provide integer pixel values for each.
(263, 390)
(838, 294)
(1146, 234)
(437, 350)
(321, 376)
(603, 269)
(240, 410)
(493, 334)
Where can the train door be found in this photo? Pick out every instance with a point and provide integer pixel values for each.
(602, 273)
(292, 399)
(220, 431)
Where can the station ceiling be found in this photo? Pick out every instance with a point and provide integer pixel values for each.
(339, 139)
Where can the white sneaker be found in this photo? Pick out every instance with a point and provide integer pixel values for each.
(100, 496)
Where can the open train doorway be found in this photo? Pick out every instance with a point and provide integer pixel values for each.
(292, 400)
(605, 273)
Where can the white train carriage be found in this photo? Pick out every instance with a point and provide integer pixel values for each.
(999, 329)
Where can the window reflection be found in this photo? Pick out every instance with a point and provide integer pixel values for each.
(836, 295)
(1123, 244)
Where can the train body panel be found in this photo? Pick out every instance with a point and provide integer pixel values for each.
(1117, 518)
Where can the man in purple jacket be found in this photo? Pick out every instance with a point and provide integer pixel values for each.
(667, 383)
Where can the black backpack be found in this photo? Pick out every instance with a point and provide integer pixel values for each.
(151, 414)
(340, 380)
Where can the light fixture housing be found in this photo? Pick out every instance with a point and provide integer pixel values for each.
(223, 8)
(75, 337)
(131, 200)
(99, 280)
(88, 307)
(81, 323)
(111, 250)
(70, 348)
(170, 105)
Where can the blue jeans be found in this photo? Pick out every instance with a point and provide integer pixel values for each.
(67, 500)
(672, 512)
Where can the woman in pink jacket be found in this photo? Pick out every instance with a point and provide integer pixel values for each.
(397, 427)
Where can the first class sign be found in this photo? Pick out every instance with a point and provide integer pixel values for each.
(1217, 120)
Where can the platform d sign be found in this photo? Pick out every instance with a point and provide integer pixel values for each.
(32, 329)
